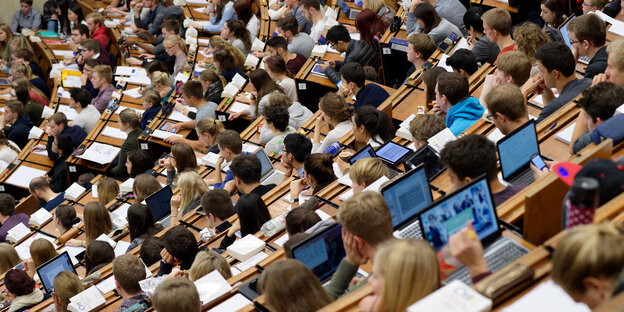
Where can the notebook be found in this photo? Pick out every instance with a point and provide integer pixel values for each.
(48, 271)
(321, 253)
(515, 151)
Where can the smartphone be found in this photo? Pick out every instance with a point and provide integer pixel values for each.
(223, 226)
(537, 160)
(166, 125)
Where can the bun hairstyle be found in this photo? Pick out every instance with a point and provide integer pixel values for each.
(67, 215)
(335, 107)
(18, 282)
(376, 123)
(160, 78)
(130, 117)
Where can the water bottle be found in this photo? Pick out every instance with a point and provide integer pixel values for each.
(333, 149)
(272, 226)
(582, 202)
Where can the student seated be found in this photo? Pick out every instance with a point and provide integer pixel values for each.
(218, 206)
(177, 294)
(7, 218)
(97, 30)
(128, 271)
(557, 70)
(97, 221)
(304, 217)
(191, 188)
(87, 74)
(277, 70)
(598, 104)
(138, 162)
(9, 257)
(247, 171)
(8, 149)
(207, 130)
(150, 99)
(588, 34)
(129, 122)
(64, 218)
(27, 56)
(354, 84)
(355, 51)
(141, 224)
(15, 124)
(593, 5)
(223, 61)
(41, 251)
(454, 103)
(276, 120)
(497, 27)
(420, 47)
(615, 68)
(298, 114)
(252, 213)
(22, 70)
(335, 114)
(88, 115)
(263, 85)
(246, 14)
(175, 46)
(372, 126)
(25, 92)
(312, 12)
(40, 189)
(483, 49)
(404, 272)
(429, 78)
(423, 18)
(193, 96)
(26, 17)
(57, 176)
(296, 148)
(278, 46)
(66, 285)
(318, 173)
(206, 262)
(58, 124)
(365, 172)
(512, 67)
(235, 31)
(423, 127)
(160, 82)
(298, 41)
(288, 285)
(471, 156)
(101, 79)
(463, 61)
(230, 146)
(212, 84)
(91, 50)
(21, 291)
(180, 250)
(144, 185)
(181, 159)
(507, 107)
(149, 22)
(98, 255)
(221, 11)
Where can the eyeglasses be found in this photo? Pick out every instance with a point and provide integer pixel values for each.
(167, 48)
(586, 4)
(331, 45)
(574, 41)
(490, 117)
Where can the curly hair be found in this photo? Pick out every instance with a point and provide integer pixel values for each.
(529, 38)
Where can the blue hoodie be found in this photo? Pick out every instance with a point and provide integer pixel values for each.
(463, 114)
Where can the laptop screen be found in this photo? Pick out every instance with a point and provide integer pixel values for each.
(392, 152)
(449, 215)
(565, 33)
(48, 271)
(366, 152)
(407, 195)
(160, 202)
(264, 161)
(322, 253)
(515, 149)
(426, 155)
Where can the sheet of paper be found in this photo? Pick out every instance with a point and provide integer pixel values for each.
(495, 135)
(249, 263)
(23, 175)
(197, 1)
(114, 133)
(211, 286)
(106, 285)
(23, 249)
(617, 28)
(130, 71)
(235, 303)
(565, 135)
(72, 251)
(68, 111)
(462, 44)
(122, 108)
(121, 248)
(64, 53)
(322, 214)
(282, 240)
(177, 116)
(133, 93)
(548, 296)
(345, 180)
(442, 63)
(239, 107)
(160, 134)
(199, 10)
(199, 69)
(257, 45)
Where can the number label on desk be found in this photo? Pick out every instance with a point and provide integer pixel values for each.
(221, 118)
(72, 168)
(386, 51)
(302, 86)
(1, 188)
(144, 146)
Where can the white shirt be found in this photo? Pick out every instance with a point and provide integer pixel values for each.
(317, 30)
(333, 136)
(253, 26)
(288, 84)
(87, 118)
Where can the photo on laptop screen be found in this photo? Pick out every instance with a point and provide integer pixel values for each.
(160, 202)
(392, 152)
(450, 214)
(48, 271)
(407, 195)
(322, 253)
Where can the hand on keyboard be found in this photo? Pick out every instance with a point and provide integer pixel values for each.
(466, 247)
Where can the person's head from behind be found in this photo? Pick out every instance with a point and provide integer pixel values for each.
(369, 123)
(472, 21)
(600, 102)
(18, 283)
(129, 120)
(208, 129)
(430, 78)
(556, 63)
(276, 117)
(587, 33)
(8, 257)
(97, 220)
(79, 97)
(294, 240)
(404, 272)
(223, 60)
(150, 250)
(66, 285)
(252, 213)
(98, 254)
(426, 17)
(63, 145)
(39, 188)
(496, 23)
(366, 171)
(128, 270)
(230, 144)
(107, 190)
(469, 157)
(140, 220)
(144, 185)
(338, 37)
(334, 109)
(247, 170)
(176, 294)
(183, 157)
(191, 188)
(423, 127)
(41, 250)
(64, 218)
(304, 217)
(352, 74)
(138, 162)
(529, 37)
(361, 213)
(507, 107)
(318, 170)
(588, 261)
(217, 205)
(288, 285)
(615, 62)
(7, 204)
(463, 61)
(180, 243)
(512, 67)
(206, 262)
(451, 88)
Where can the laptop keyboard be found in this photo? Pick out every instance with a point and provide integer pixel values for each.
(526, 178)
(275, 178)
(393, 173)
(584, 60)
(502, 253)
(166, 222)
(411, 231)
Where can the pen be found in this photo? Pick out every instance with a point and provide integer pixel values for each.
(551, 127)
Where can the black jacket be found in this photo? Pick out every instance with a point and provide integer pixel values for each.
(58, 174)
(598, 63)
(18, 131)
(358, 51)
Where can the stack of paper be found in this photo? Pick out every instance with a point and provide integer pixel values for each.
(17, 233)
(74, 191)
(211, 286)
(40, 217)
(114, 133)
(440, 139)
(565, 135)
(319, 50)
(23, 175)
(160, 134)
(100, 153)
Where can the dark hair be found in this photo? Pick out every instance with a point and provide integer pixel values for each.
(472, 17)
(156, 65)
(170, 25)
(22, 94)
(463, 59)
(470, 156)
(556, 56)
(29, 2)
(7, 204)
(75, 7)
(263, 83)
(141, 162)
(239, 31)
(193, 88)
(602, 100)
(430, 78)
(82, 29)
(98, 254)
(81, 96)
(140, 221)
(231, 140)
(180, 243)
(320, 167)
(289, 23)
(369, 24)
(276, 64)
(225, 60)
(277, 42)
(298, 145)
(243, 10)
(304, 217)
(293, 241)
(252, 213)
(92, 63)
(150, 250)
(556, 7)
(65, 144)
(353, 72)
(454, 86)
(67, 215)
(247, 168)
(17, 281)
(277, 115)
(316, 4)
(338, 33)
(375, 122)
(218, 203)
(427, 13)
(184, 156)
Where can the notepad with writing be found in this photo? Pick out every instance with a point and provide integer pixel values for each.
(100, 153)
(239, 107)
(319, 50)
(69, 112)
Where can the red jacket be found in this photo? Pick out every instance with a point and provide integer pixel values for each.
(100, 36)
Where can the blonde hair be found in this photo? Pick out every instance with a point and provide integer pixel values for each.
(615, 49)
(210, 75)
(176, 294)
(410, 271)
(4, 45)
(498, 19)
(104, 71)
(66, 285)
(374, 5)
(424, 126)
(22, 68)
(529, 38)
(107, 190)
(5, 141)
(8, 257)
(218, 42)
(97, 221)
(175, 40)
(97, 18)
(191, 188)
(206, 262)
(41, 250)
(593, 250)
(365, 211)
(130, 117)
(21, 42)
(368, 170)
(210, 126)
(160, 78)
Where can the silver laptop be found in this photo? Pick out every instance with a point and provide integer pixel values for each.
(270, 175)
(515, 151)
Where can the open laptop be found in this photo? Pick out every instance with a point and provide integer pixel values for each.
(160, 205)
(563, 29)
(48, 271)
(322, 252)
(515, 151)
(473, 202)
(368, 152)
(406, 197)
(269, 175)
(426, 155)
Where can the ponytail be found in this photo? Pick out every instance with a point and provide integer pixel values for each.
(376, 123)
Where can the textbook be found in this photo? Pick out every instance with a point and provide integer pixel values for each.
(88, 300)
(40, 217)
(211, 286)
(74, 191)
(17, 233)
(210, 160)
(319, 50)
(440, 139)
(246, 247)
(126, 187)
(454, 297)
(403, 130)
(232, 88)
(35, 133)
(100, 153)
